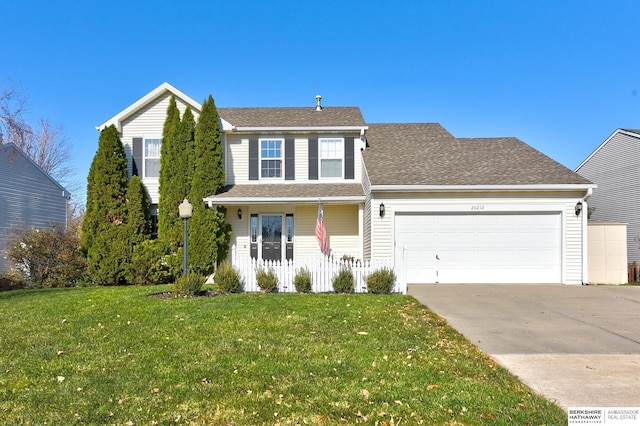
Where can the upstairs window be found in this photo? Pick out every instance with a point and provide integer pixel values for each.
(152, 157)
(271, 158)
(331, 157)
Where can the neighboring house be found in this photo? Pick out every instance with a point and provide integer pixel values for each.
(615, 167)
(437, 208)
(29, 196)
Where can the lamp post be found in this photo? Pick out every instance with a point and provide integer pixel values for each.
(186, 211)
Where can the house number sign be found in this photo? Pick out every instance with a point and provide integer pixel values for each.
(477, 208)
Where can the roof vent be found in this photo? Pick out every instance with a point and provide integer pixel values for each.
(318, 103)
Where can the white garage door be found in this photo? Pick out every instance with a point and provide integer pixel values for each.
(479, 248)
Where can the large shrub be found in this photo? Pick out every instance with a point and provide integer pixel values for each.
(227, 278)
(302, 281)
(106, 196)
(188, 285)
(48, 257)
(150, 264)
(267, 280)
(381, 281)
(343, 282)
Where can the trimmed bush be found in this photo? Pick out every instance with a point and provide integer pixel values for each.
(343, 282)
(188, 285)
(267, 280)
(227, 278)
(381, 281)
(302, 281)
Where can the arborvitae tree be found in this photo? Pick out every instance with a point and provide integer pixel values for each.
(106, 211)
(138, 223)
(169, 171)
(186, 152)
(138, 215)
(176, 172)
(209, 234)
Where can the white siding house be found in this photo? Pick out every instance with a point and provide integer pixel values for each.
(434, 207)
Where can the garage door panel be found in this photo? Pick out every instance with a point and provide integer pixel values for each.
(470, 248)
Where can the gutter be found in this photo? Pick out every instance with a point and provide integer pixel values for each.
(478, 188)
(213, 201)
(300, 129)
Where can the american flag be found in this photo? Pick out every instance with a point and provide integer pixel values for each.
(321, 232)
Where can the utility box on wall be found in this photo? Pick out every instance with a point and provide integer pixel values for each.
(607, 252)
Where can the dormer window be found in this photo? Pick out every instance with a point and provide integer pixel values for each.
(271, 158)
(331, 157)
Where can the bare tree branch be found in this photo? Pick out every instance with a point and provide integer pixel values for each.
(45, 143)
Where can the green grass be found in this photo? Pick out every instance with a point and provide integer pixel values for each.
(246, 359)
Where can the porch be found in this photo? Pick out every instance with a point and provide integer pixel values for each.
(322, 268)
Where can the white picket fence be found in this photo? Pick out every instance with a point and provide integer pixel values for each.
(323, 269)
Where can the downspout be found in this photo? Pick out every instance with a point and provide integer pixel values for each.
(585, 219)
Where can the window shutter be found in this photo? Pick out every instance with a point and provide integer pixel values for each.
(348, 158)
(136, 162)
(289, 159)
(313, 158)
(253, 159)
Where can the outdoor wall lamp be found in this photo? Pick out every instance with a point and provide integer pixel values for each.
(239, 213)
(381, 210)
(578, 208)
(186, 211)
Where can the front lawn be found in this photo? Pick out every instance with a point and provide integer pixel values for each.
(116, 356)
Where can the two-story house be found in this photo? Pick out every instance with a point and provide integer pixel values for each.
(29, 196)
(615, 167)
(439, 209)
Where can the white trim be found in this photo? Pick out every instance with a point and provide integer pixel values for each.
(481, 188)
(341, 157)
(164, 87)
(299, 129)
(236, 201)
(144, 157)
(281, 158)
(618, 131)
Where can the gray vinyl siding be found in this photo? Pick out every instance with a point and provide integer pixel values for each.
(615, 168)
(28, 196)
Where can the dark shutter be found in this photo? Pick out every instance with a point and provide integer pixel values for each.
(348, 158)
(313, 158)
(289, 159)
(136, 163)
(253, 159)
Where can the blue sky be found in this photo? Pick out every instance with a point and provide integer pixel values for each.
(559, 75)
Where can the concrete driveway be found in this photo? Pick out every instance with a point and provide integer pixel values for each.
(577, 345)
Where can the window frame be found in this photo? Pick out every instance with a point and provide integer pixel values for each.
(145, 157)
(281, 158)
(340, 156)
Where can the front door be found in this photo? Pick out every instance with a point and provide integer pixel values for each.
(271, 237)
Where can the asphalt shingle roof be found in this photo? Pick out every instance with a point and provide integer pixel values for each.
(426, 154)
(291, 191)
(292, 117)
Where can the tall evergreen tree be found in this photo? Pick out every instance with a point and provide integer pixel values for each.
(106, 211)
(169, 172)
(138, 215)
(209, 234)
